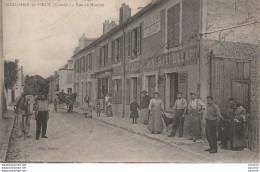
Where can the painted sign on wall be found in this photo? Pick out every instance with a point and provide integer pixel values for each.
(152, 24)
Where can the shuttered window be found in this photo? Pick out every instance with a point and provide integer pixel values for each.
(139, 36)
(75, 66)
(121, 48)
(90, 62)
(129, 40)
(113, 51)
(117, 90)
(101, 56)
(86, 62)
(182, 83)
(105, 55)
(173, 26)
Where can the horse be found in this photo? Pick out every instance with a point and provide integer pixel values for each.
(65, 98)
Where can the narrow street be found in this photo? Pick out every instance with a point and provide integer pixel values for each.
(73, 138)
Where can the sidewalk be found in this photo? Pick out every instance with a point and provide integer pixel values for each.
(184, 144)
(6, 126)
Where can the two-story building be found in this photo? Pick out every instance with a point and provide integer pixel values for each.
(170, 46)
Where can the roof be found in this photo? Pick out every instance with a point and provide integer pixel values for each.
(147, 8)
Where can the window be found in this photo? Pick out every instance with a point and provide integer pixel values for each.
(173, 27)
(103, 55)
(134, 42)
(90, 62)
(117, 90)
(86, 62)
(117, 50)
(83, 64)
(78, 67)
(75, 66)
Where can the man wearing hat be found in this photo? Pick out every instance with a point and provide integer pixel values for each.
(180, 107)
(145, 100)
(195, 109)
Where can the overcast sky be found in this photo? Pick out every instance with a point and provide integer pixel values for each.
(44, 38)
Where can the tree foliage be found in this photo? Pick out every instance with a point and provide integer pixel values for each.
(10, 74)
(35, 85)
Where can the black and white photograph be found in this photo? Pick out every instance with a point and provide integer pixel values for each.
(129, 81)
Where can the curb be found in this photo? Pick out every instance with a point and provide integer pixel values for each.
(150, 137)
(5, 145)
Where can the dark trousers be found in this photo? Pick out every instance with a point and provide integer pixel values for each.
(178, 122)
(211, 133)
(41, 123)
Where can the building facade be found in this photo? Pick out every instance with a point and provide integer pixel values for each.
(53, 87)
(175, 46)
(14, 93)
(66, 78)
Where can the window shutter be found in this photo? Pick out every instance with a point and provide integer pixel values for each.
(133, 42)
(173, 27)
(130, 43)
(113, 50)
(139, 30)
(182, 83)
(121, 48)
(106, 55)
(90, 61)
(100, 56)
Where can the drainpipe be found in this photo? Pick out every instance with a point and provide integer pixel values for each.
(123, 74)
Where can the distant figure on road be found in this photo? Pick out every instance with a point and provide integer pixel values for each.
(156, 108)
(98, 111)
(42, 116)
(134, 112)
(144, 104)
(108, 111)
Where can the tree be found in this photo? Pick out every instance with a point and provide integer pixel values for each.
(35, 85)
(10, 74)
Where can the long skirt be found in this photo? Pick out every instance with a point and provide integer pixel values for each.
(194, 123)
(155, 123)
(237, 135)
(144, 114)
(108, 111)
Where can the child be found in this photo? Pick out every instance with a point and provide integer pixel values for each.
(98, 109)
(134, 112)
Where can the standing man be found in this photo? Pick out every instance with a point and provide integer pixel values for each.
(195, 107)
(31, 101)
(42, 117)
(180, 107)
(144, 104)
(212, 116)
(22, 108)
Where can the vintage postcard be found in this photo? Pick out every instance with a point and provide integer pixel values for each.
(147, 81)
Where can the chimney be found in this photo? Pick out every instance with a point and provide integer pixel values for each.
(16, 61)
(124, 13)
(107, 26)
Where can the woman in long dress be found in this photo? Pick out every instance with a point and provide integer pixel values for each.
(156, 108)
(237, 127)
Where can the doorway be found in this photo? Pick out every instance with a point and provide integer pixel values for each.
(173, 88)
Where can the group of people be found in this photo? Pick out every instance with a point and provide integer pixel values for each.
(226, 127)
(25, 107)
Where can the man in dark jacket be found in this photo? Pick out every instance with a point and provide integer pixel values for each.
(145, 100)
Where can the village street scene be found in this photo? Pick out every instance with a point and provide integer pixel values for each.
(173, 81)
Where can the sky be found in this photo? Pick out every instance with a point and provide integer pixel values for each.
(43, 38)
